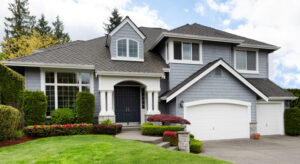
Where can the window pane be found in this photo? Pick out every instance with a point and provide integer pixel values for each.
(49, 77)
(85, 88)
(133, 48)
(85, 78)
(66, 96)
(251, 60)
(122, 48)
(186, 51)
(177, 50)
(195, 52)
(50, 93)
(70, 78)
(241, 60)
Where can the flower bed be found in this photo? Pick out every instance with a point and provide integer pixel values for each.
(171, 137)
(70, 129)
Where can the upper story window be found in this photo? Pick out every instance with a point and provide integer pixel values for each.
(187, 52)
(127, 48)
(246, 61)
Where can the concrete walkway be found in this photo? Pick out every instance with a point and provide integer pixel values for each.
(267, 150)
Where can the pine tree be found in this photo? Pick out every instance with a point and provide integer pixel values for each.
(114, 21)
(21, 22)
(58, 30)
(42, 26)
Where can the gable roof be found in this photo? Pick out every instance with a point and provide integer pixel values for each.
(168, 96)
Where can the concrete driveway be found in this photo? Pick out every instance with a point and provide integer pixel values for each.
(267, 150)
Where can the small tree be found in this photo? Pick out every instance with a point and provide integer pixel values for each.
(114, 21)
(85, 107)
(42, 26)
(59, 31)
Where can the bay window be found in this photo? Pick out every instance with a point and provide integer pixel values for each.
(246, 61)
(61, 88)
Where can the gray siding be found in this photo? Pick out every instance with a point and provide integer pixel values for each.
(213, 86)
(97, 96)
(32, 79)
(126, 32)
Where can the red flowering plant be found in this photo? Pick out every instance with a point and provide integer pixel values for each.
(167, 119)
(171, 137)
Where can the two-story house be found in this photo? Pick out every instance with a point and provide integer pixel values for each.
(216, 80)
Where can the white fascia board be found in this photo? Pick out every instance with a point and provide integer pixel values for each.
(232, 71)
(166, 69)
(48, 65)
(268, 47)
(133, 74)
(282, 98)
(127, 20)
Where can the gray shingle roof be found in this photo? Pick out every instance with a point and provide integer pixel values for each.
(269, 88)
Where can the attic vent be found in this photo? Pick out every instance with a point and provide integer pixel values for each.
(218, 72)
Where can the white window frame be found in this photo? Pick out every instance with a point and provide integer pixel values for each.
(184, 61)
(55, 84)
(128, 58)
(242, 70)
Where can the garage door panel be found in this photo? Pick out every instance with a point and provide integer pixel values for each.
(218, 121)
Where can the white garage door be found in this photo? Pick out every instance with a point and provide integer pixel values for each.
(221, 120)
(270, 118)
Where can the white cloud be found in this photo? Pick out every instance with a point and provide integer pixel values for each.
(226, 22)
(186, 10)
(84, 19)
(264, 22)
(199, 8)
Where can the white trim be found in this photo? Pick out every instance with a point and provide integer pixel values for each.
(282, 98)
(132, 74)
(219, 101)
(48, 65)
(268, 47)
(166, 69)
(228, 68)
(246, 71)
(127, 20)
(127, 57)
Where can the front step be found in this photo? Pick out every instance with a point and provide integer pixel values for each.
(131, 128)
(173, 148)
(164, 144)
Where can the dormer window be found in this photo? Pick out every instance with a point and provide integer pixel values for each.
(127, 48)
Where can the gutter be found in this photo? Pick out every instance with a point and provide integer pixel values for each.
(132, 74)
(282, 98)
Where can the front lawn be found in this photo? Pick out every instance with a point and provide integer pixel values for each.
(94, 149)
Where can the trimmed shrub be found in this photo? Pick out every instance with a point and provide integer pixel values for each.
(195, 146)
(107, 129)
(157, 130)
(34, 106)
(295, 92)
(107, 122)
(62, 116)
(10, 118)
(85, 107)
(167, 119)
(292, 121)
(11, 86)
(192, 136)
(171, 137)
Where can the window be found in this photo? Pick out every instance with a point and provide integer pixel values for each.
(246, 61)
(61, 88)
(187, 52)
(127, 48)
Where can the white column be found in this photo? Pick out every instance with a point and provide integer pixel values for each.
(109, 103)
(155, 102)
(149, 110)
(103, 103)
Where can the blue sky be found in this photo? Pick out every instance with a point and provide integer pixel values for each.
(257, 19)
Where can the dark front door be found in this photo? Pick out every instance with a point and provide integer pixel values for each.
(127, 104)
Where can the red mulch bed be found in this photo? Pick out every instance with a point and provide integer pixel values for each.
(14, 142)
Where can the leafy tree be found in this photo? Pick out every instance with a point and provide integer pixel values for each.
(42, 26)
(58, 31)
(21, 22)
(1, 56)
(25, 44)
(114, 21)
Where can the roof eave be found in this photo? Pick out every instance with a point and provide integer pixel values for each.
(282, 98)
(267, 47)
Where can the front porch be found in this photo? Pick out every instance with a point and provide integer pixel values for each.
(128, 100)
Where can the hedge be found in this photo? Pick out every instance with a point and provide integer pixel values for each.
(70, 129)
(62, 116)
(34, 106)
(11, 86)
(158, 130)
(292, 121)
(85, 107)
(10, 118)
(195, 145)
(295, 92)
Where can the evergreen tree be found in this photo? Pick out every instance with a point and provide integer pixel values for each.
(59, 30)
(42, 26)
(114, 21)
(21, 22)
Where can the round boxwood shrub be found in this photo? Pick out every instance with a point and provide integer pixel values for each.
(85, 107)
(10, 118)
(34, 106)
(292, 121)
(62, 116)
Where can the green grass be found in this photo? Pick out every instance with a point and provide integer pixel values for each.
(95, 149)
